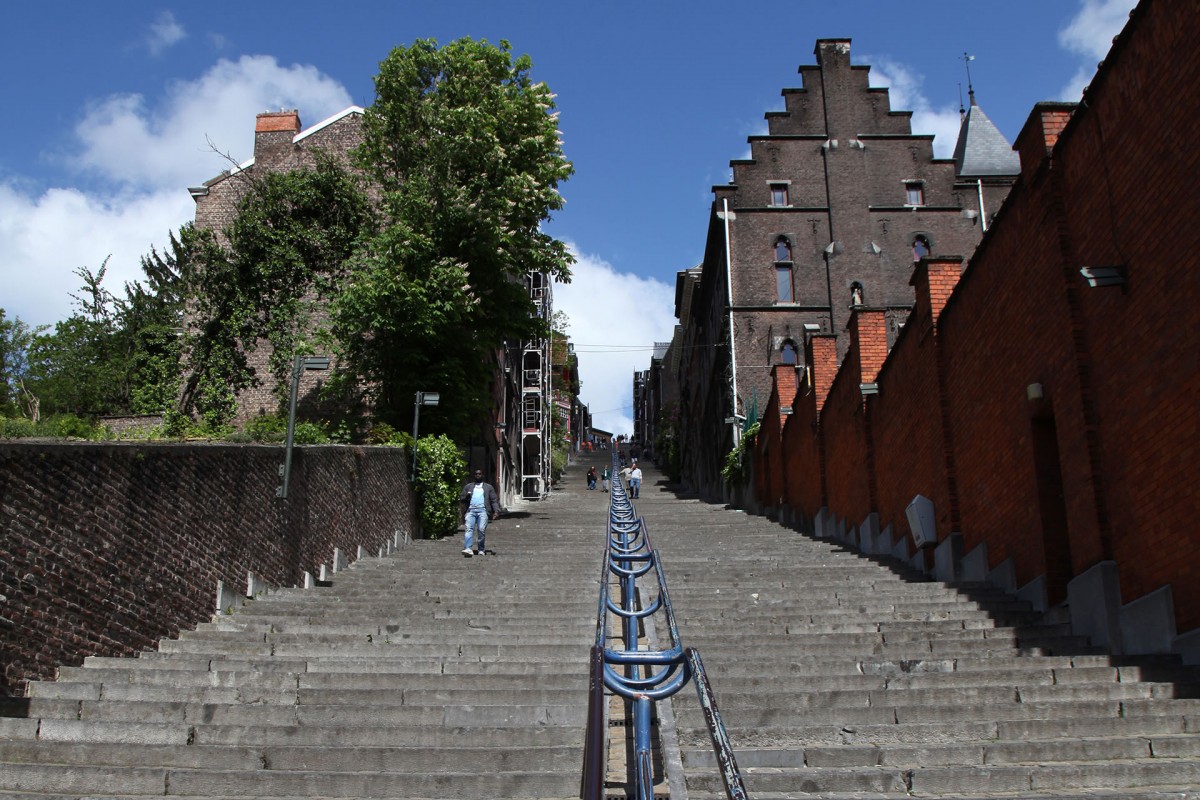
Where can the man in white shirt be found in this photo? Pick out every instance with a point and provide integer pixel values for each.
(635, 480)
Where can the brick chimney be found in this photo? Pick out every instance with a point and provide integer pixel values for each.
(1040, 133)
(273, 134)
(784, 378)
(933, 281)
(868, 337)
(821, 353)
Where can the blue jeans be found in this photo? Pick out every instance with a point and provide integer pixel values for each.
(477, 519)
(636, 485)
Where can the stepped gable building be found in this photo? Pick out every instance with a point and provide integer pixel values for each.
(829, 213)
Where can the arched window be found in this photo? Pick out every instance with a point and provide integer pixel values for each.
(783, 249)
(920, 247)
(787, 353)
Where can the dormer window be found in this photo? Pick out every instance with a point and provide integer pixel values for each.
(779, 194)
(914, 193)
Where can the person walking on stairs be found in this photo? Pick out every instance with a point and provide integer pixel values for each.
(605, 474)
(635, 480)
(478, 500)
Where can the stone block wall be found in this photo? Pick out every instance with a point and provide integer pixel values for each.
(106, 548)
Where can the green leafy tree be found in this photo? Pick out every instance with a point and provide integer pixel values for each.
(79, 368)
(16, 342)
(288, 249)
(464, 149)
(114, 354)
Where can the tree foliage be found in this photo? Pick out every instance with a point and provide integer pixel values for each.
(464, 149)
(113, 355)
(287, 253)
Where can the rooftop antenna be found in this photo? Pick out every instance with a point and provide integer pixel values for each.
(967, 59)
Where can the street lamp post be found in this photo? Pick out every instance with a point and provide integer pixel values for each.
(423, 399)
(300, 364)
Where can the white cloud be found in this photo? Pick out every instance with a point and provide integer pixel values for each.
(148, 153)
(615, 319)
(1089, 35)
(124, 139)
(164, 32)
(45, 239)
(905, 94)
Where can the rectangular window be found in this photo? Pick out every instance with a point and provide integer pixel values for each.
(783, 283)
(914, 192)
(779, 194)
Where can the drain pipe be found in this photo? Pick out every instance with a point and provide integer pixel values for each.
(737, 433)
(982, 212)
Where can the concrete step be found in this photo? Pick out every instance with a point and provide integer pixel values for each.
(976, 753)
(495, 757)
(135, 782)
(940, 781)
(548, 679)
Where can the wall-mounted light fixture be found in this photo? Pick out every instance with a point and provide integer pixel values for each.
(1096, 277)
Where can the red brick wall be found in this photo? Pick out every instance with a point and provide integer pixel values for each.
(847, 444)
(1128, 171)
(104, 549)
(903, 427)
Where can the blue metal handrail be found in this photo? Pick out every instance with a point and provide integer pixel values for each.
(647, 675)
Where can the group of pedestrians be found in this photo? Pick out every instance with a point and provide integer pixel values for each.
(480, 503)
(605, 475)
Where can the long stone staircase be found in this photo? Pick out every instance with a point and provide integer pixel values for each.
(430, 675)
(842, 676)
(421, 675)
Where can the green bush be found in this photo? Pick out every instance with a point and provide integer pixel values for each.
(440, 470)
(737, 463)
(17, 428)
(266, 428)
(309, 433)
(381, 433)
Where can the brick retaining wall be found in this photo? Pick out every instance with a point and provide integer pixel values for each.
(106, 548)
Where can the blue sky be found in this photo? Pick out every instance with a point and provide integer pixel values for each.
(110, 109)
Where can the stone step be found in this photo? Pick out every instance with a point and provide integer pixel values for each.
(975, 753)
(383, 650)
(302, 680)
(465, 692)
(939, 781)
(501, 714)
(134, 782)
(944, 732)
(495, 757)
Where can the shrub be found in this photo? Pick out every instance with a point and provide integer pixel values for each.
(266, 428)
(309, 433)
(737, 463)
(17, 428)
(440, 469)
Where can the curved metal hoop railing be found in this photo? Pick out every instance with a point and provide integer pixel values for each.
(641, 676)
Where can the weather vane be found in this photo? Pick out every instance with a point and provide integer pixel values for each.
(967, 59)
